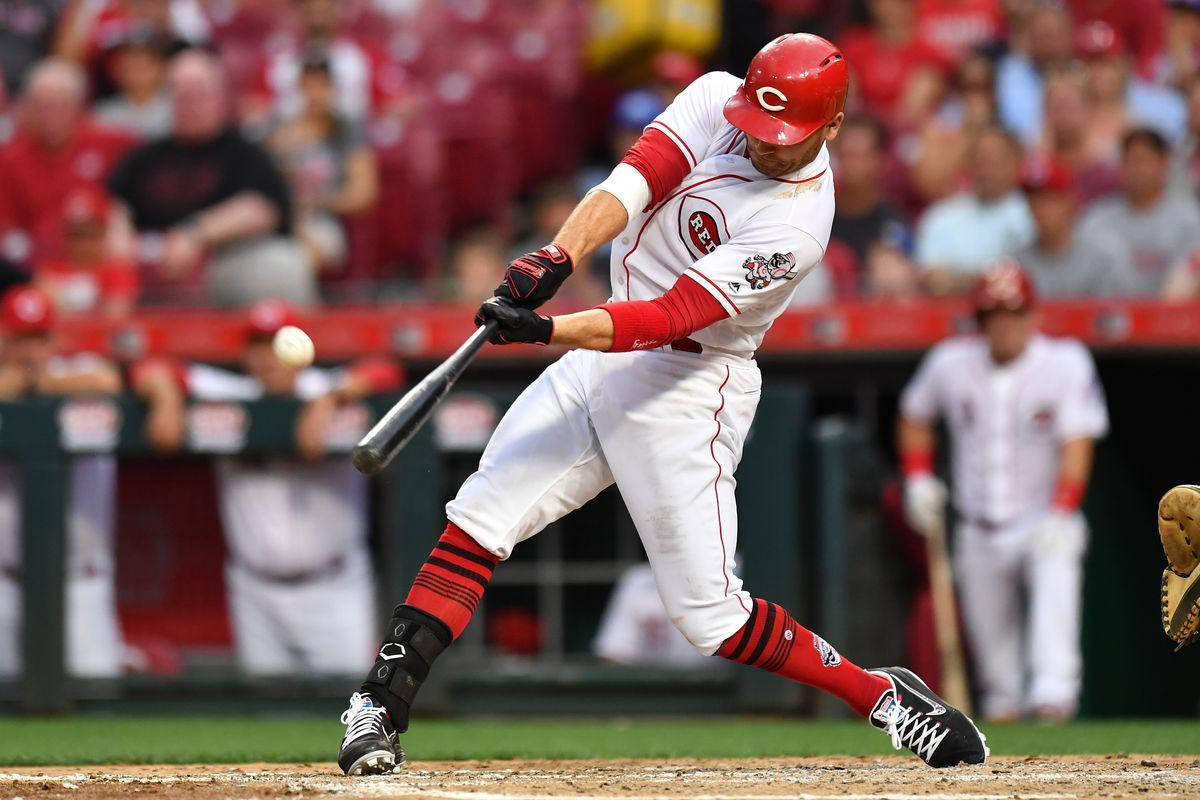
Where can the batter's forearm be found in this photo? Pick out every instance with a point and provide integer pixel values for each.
(597, 219)
(587, 330)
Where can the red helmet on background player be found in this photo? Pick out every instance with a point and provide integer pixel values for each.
(794, 86)
(266, 317)
(1006, 286)
(26, 310)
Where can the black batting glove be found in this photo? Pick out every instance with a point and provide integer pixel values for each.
(533, 278)
(516, 324)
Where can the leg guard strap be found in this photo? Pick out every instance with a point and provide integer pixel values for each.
(414, 639)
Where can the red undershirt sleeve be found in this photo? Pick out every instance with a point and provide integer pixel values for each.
(660, 161)
(646, 324)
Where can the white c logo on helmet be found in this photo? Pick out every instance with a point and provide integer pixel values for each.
(763, 91)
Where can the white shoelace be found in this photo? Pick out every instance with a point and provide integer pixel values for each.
(362, 716)
(913, 730)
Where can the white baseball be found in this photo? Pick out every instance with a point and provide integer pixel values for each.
(293, 347)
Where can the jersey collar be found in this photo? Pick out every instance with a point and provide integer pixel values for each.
(813, 169)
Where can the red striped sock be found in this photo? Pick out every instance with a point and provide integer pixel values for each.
(450, 583)
(773, 641)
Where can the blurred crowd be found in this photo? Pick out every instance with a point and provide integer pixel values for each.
(218, 152)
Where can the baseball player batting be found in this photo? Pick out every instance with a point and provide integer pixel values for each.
(716, 214)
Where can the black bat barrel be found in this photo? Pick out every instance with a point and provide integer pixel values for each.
(392, 432)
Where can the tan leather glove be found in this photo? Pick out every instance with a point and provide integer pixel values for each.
(1179, 529)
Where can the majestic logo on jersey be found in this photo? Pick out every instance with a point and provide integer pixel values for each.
(761, 271)
(829, 656)
(702, 230)
(762, 92)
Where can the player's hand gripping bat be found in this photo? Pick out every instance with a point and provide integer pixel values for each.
(945, 618)
(392, 432)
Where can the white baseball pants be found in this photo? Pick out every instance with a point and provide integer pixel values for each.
(668, 428)
(317, 626)
(1021, 601)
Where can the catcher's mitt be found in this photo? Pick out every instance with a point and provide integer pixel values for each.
(1179, 529)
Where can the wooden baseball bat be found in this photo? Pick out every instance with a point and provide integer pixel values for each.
(945, 619)
(392, 432)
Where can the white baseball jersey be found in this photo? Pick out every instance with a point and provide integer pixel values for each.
(746, 238)
(283, 517)
(1007, 422)
(635, 628)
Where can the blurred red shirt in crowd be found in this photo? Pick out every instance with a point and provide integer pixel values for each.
(896, 73)
(85, 280)
(954, 28)
(1141, 22)
(56, 149)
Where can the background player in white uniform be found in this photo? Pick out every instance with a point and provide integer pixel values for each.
(299, 575)
(635, 628)
(30, 364)
(1023, 411)
(717, 211)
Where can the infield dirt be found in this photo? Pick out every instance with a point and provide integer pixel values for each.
(1032, 777)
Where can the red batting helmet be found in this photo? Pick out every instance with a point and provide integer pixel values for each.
(27, 309)
(1006, 286)
(795, 85)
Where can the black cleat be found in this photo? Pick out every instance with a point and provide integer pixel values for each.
(916, 718)
(369, 746)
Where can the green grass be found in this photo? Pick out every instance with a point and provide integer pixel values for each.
(132, 740)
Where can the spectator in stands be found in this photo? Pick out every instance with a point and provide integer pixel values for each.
(1069, 136)
(959, 237)
(551, 204)
(956, 28)
(1041, 43)
(86, 280)
(1185, 169)
(89, 27)
(137, 67)
(1161, 228)
(205, 192)
(367, 81)
(673, 71)
(1061, 262)
(939, 152)
(1119, 98)
(1183, 41)
(26, 32)
(31, 364)
(57, 148)
(866, 223)
(299, 570)
(1141, 22)
(898, 76)
(328, 164)
(476, 264)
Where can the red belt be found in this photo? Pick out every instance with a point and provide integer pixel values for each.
(686, 345)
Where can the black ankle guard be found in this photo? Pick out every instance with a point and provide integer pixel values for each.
(414, 639)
